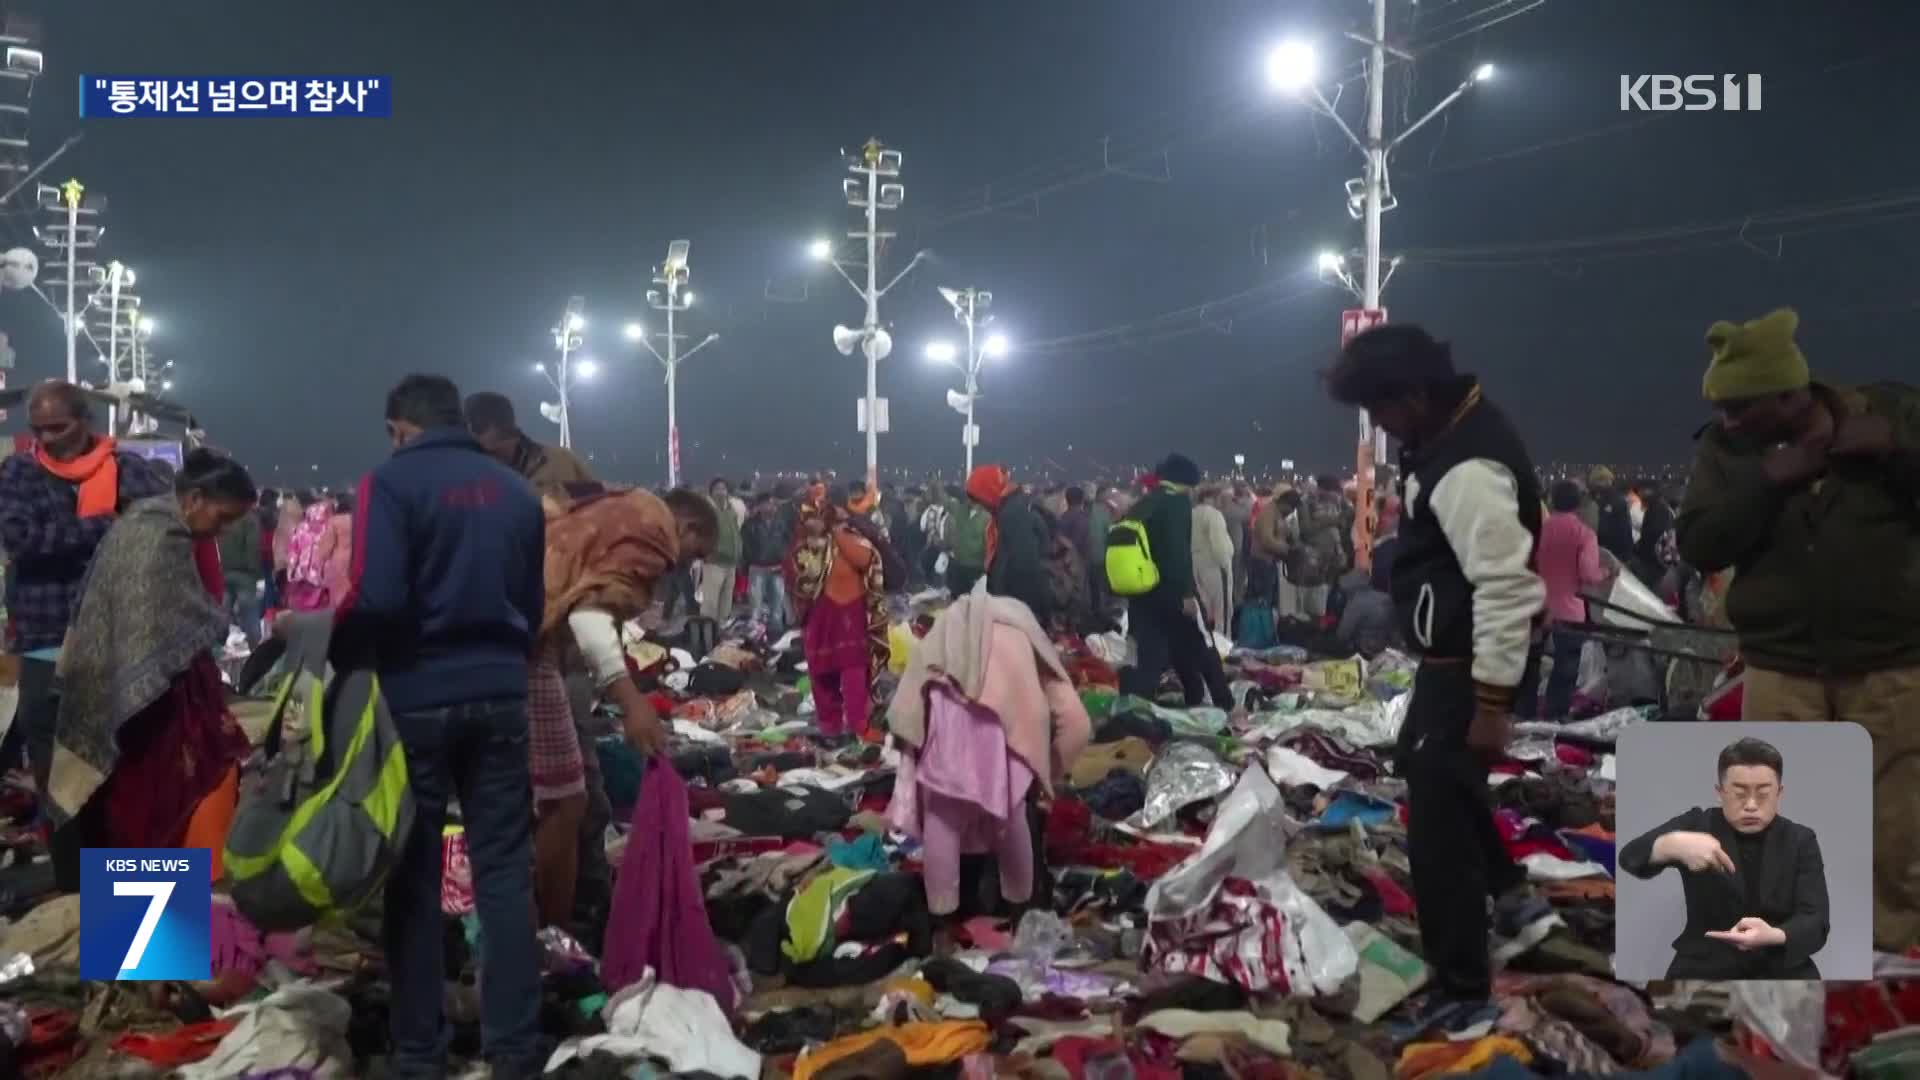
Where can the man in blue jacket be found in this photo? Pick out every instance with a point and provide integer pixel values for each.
(445, 600)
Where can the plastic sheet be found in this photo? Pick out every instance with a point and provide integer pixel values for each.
(1370, 723)
(17, 966)
(1182, 774)
(1249, 841)
(1605, 728)
(561, 955)
(1791, 1016)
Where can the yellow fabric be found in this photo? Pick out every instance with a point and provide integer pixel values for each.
(899, 647)
(923, 1044)
(1753, 359)
(920, 989)
(1424, 1059)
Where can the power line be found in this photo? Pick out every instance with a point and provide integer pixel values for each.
(1202, 316)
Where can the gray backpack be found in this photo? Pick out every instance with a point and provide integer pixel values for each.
(320, 820)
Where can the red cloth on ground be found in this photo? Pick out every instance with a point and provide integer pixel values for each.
(1857, 1012)
(1573, 755)
(1074, 1051)
(1070, 843)
(1393, 899)
(182, 1046)
(172, 754)
(659, 916)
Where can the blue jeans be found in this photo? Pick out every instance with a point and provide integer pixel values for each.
(1564, 647)
(476, 751)
(767, 592)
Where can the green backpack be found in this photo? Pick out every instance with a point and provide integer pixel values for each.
(320, 821)
(1130, 567)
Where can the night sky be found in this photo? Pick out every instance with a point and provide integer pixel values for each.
(1575, 254)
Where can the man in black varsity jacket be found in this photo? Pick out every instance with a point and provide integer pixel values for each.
(1466, 597)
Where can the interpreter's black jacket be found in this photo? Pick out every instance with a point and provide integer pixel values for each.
(1792, 897)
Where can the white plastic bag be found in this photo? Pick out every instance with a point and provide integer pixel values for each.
(1249, 840)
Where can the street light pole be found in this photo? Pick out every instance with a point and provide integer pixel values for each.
(1292, 67)
(872, 189)
(970, 308)
(673, 298)
(566, 338)
(70, 193)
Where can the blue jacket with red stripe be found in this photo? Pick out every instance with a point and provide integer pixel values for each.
(448, 577)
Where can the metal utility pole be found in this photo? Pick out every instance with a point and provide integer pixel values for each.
(970, 308)
(1292, 67)
(873, 189)
(75, 228)
(70, 193)
(672, 298)
(567, 339)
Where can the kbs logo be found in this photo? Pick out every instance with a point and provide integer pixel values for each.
(146, 913)
(1689, 93)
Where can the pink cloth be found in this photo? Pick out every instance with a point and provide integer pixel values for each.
(659, 917)
(1567, 559)
(1046, 724)
(965, 793)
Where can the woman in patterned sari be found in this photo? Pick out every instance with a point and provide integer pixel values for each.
(839, 590)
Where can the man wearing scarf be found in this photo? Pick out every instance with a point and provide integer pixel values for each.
(1165, 623)
(56, 503)
(1018, 539)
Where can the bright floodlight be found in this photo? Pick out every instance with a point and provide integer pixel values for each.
(146, 324)
(168, 385)
(996, 346)
(1291, 66)
(821, 248)
(1329, 262)
(634, 331)
(1483, 73)
(540, 367)
(576, 323)
(686, 299)
(588, 369)
(941, 352)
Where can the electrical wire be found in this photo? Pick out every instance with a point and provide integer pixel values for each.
(1801, 220)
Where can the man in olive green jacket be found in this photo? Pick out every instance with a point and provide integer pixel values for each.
(1811, 493)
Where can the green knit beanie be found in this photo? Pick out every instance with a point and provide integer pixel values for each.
(1755, 359)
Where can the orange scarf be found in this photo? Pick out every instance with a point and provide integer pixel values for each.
(97, 472)
(989, 485)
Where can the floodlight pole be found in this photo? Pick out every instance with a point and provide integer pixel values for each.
(566, 339)
(973, 380)
(71, 192)
(1370, 448)
(670, 298)
(872, 294)
(1373, 196)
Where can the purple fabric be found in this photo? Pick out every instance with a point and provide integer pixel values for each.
(659, 918)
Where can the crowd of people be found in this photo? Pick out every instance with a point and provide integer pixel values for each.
(487, 579)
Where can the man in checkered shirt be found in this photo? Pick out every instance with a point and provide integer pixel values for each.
(57, 501)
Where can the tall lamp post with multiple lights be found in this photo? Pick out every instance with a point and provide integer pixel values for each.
(970, 307)
(1293, 67)
(872, 188)
(567, 340)
(672, 298)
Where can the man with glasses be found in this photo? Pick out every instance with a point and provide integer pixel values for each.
(1811, 493)
(57, 501)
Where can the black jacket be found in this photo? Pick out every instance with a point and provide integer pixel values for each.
(1019, 565)
(764, 540)
(1615, 525)
(1792, 898)
(1433, 593)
